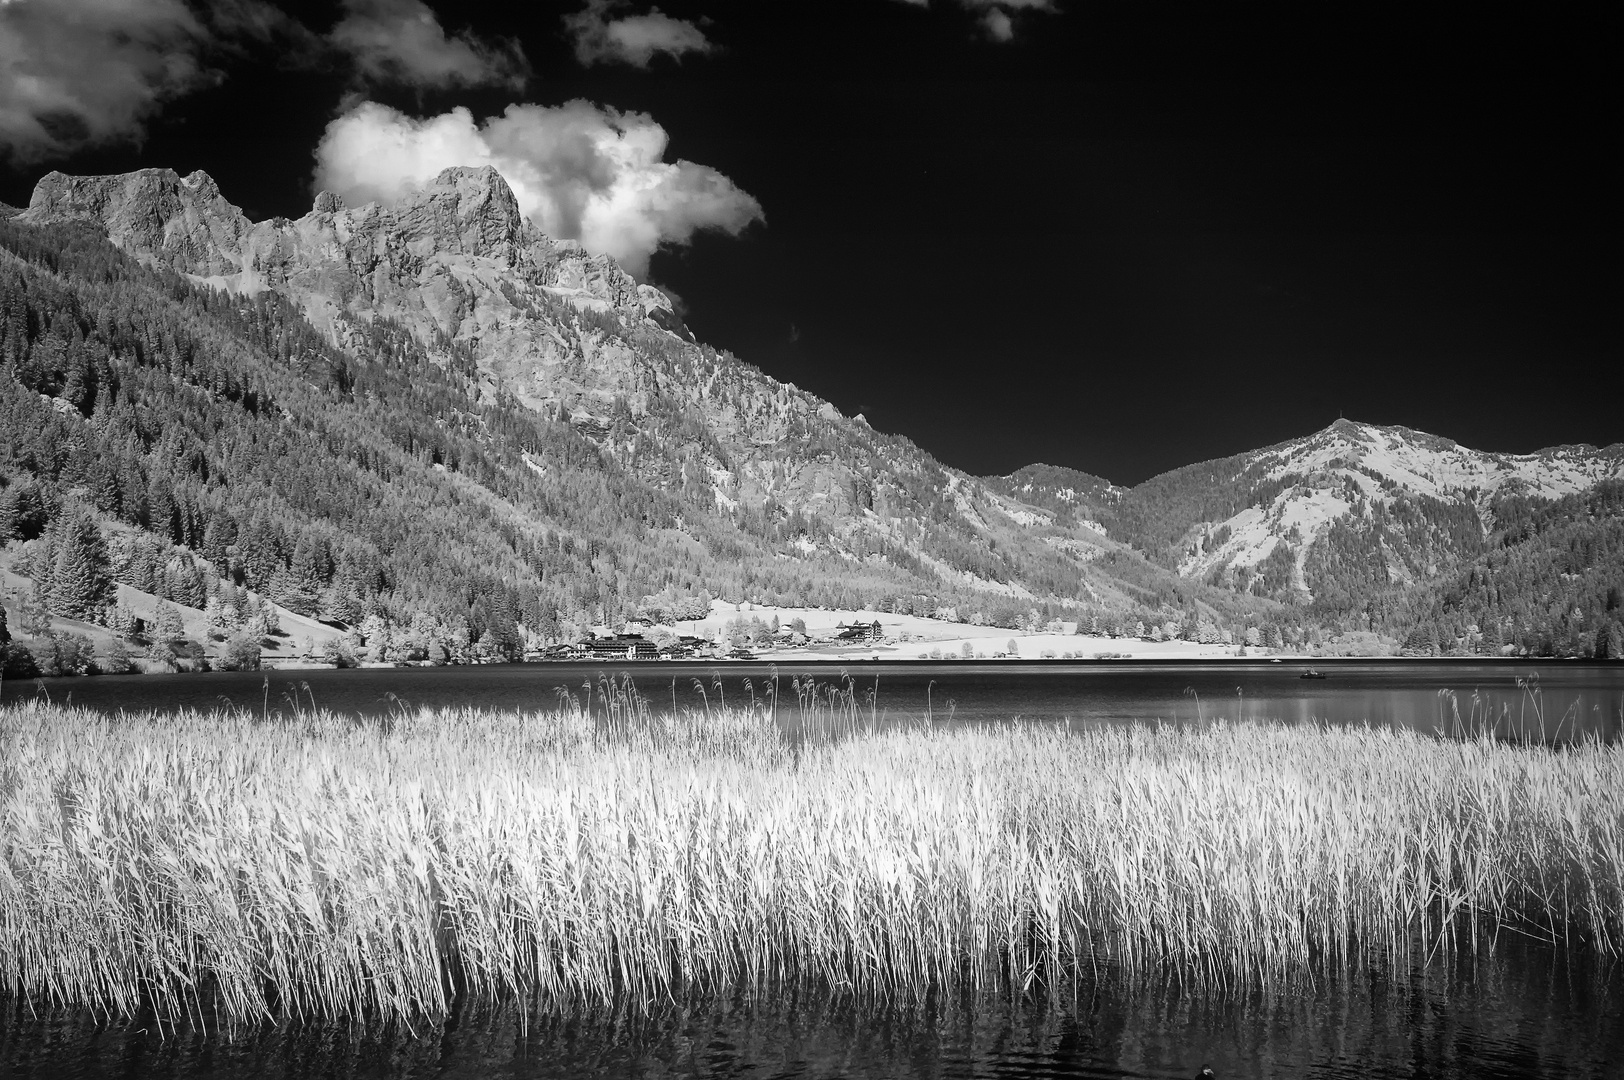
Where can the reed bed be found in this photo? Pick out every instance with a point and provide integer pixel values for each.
(227, 867)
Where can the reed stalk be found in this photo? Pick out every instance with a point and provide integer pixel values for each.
(225, 868)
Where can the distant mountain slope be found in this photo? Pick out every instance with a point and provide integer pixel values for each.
(1550, 581)
(1345, 522)
(1071, 495)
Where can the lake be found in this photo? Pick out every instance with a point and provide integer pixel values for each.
(1529, 1010)
(1522, 1015)
(1521, 699)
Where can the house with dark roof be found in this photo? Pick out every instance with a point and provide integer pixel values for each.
(858, 633)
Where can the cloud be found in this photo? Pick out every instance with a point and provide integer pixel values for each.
(579, 171)
(402, 41)
(996, 15)
(80, 72)
(631, 39)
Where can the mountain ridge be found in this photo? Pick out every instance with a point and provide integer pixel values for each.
(543, 332)
(730, 448)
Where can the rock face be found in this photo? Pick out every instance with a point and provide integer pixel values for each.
(456, 262)
(180, 222)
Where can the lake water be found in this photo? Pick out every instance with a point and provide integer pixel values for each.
(1522, 1015)
(1529, 1011)
(1520, 699)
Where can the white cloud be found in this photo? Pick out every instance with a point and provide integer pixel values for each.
(998, 24)
(402, 41)
(78, 72)
(579, 171)
(630, 39)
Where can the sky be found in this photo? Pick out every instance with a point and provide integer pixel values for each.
(1115, 235)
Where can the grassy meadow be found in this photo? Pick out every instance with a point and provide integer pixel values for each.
(232, 866)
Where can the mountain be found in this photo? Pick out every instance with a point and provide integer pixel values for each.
(580, 455)
(458, 263)
(1070, 494)
(1366, 526)
(437, 416)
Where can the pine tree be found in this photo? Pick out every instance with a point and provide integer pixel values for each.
(1610, 641)
(299, 588)
(167, 622)
(81, 574)
(160, 507)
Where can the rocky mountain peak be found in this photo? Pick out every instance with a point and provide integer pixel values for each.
(454, 257)
(181, 222)
(464, 210)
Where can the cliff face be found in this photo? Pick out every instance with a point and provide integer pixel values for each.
(456, 262)
(180, 222)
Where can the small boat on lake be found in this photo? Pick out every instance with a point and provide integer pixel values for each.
(1311, 673)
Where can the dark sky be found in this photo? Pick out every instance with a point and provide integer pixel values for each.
(1134, 236)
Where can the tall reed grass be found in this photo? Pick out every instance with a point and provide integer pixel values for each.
(226, 867)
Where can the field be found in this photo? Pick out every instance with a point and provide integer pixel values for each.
(228, 867)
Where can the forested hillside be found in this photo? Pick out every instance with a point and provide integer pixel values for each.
(1073, 496)
(245, 448)
(1550, 581)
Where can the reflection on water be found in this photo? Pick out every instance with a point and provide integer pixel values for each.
(1523, 1014)
(1515, 699)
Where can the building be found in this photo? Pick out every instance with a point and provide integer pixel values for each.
(688, 647)
(858, 633)
(620, 647)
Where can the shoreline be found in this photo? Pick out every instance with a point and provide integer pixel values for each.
(867, 656)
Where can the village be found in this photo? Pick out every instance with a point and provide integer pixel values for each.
(741, 640)
(748, 631)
